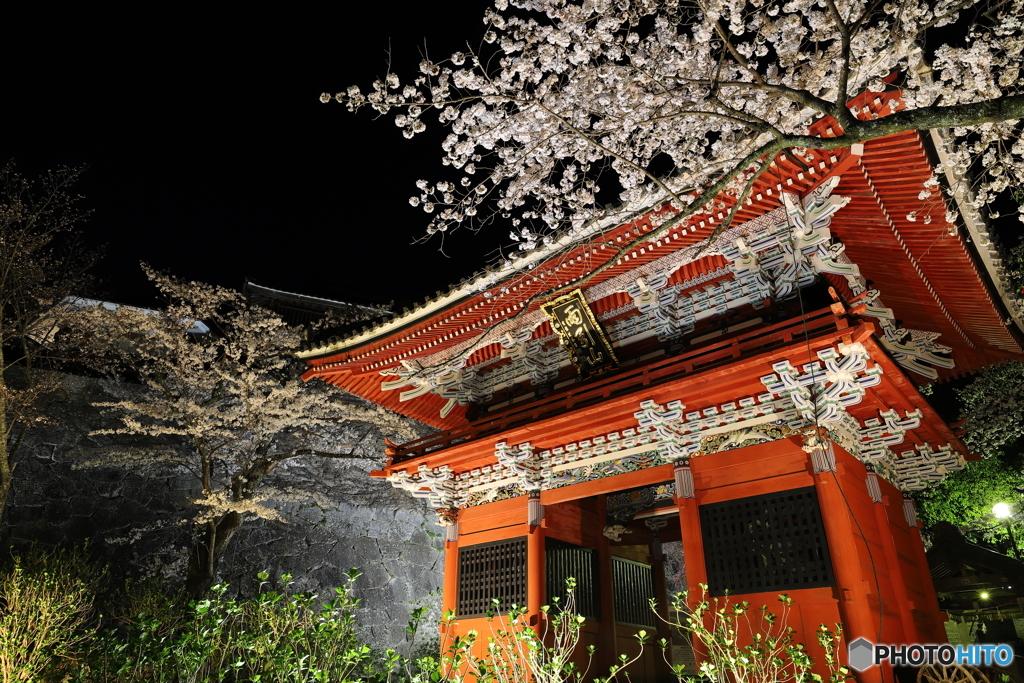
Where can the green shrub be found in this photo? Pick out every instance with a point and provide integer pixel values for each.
(515, 651)
(276, 637)
(46, 601)
(742, 644)
(47, 633)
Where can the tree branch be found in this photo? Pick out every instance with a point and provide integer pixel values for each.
(1011, 107)
(839, 110)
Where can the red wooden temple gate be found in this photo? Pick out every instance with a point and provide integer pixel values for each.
(756, 401)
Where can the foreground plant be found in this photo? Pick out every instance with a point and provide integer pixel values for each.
(47, 633)
(294, 638)
(518, 653)
(46, 603)
(753, 645)
(276, 637)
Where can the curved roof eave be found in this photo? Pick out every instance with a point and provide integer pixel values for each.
(983, 247)
(487, 279)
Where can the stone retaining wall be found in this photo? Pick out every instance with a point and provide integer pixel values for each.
(133, 518)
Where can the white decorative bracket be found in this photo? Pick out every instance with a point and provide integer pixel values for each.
(452, 381)
(436, 485)
(882, 432)
(919, 468)
(522, 462)
(912, 349)
(822, 394)
(514, 344)
(644, 292)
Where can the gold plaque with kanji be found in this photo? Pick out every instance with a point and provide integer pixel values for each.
(581, 335)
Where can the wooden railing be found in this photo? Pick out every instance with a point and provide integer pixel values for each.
(625, 380)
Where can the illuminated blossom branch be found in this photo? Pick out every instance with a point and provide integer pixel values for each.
(560, 95)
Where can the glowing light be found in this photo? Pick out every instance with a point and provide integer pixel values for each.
(1001, 510)
(984, 595)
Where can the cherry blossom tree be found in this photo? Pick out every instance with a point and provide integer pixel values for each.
(219, 377)
(41, 262)
(675, 102)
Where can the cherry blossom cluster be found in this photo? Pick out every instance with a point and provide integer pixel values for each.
(218, 374)
(560, 94)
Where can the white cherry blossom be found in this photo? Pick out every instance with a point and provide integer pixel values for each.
(677, 101)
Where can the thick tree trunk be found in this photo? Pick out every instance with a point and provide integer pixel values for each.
(6, 465)
(217, 535)
(206, 555)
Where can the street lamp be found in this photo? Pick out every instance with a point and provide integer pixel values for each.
(1004, 512)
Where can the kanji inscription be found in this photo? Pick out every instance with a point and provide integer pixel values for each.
(581, 336)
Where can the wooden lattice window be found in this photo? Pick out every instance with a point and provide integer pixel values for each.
(774, 542)
(564, 560)
(489, 572)
(633, 585)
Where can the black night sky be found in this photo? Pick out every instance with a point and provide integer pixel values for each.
(210, 155)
